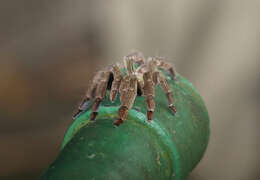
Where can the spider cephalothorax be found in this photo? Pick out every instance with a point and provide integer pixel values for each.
(142, 75)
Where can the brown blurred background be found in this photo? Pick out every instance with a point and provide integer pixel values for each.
(49, 50)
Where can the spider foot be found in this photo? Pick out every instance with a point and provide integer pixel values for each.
(93, 116)
(122, 115)
(118, 122)
(95, 108)
(149, 116)
(173, 108)
(84, 105)
(77, 114)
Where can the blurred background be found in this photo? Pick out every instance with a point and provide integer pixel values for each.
(49, 50)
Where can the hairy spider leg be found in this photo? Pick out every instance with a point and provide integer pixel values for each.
(167, 90)
(89, 95)
(128, 92)
(162, 64)
(118, 75)
(100, 93)
(149, 86)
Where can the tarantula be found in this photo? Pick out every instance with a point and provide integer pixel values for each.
(141, 78)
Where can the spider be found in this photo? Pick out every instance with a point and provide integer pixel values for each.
(142, 75)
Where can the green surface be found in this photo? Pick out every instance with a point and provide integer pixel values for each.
(167, 148)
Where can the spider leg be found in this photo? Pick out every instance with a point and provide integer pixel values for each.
(128, 92)
(124, 86)
(149, 86)
(100, 93)
(167, 90)
(168, 67)
(118, 75)
(89, 94)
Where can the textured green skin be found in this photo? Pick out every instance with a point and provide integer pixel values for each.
(167, 148)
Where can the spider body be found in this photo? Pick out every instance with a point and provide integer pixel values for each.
(142, 75)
